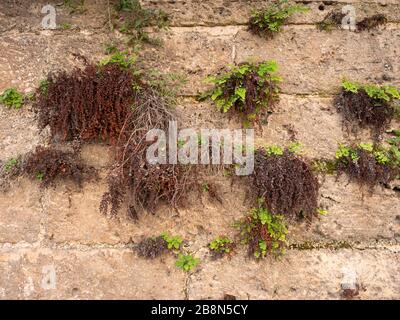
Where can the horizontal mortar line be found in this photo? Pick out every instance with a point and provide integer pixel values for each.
(283, 94)
(390, 24)
(395, 25)
(298, 246)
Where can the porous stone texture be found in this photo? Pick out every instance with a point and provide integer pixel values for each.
(55, 244)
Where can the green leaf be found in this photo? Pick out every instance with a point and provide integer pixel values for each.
(241, 92)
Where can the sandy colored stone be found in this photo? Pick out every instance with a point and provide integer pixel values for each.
(228, 12)
(27, 57)
(309, 60)
(18, 132)
(354, 215)
(20, 213)
(316, 274)
(93, 274)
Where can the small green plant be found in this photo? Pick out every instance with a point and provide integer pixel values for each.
(249, 89)
(222, 245)
(12, 98)
(324, 166)
(274, 150)
(65, 26)
(132, 19)
(386, 93)
(44, 86)
(75, 6)
(322, 212)
(40, 176)
(205, 187)
(268, 22)
(263, 232)
(110, 48)
(173, 242)
(187, 262)
(369, 164)
(11, 164)
(368, 105)
(123, 59)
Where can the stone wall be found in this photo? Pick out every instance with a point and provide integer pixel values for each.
(58, 233)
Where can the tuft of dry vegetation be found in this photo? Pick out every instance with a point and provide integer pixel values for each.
(368, 165)
(48, 164)
(286, 183)
(147, 183)
(112, 103)
(89, 104)
(331, 21)
(372, 22)
(151, 248)
(367, 106)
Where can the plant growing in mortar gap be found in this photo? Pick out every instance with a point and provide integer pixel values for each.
(221, 246)
(369, 164)
(132, 19)
(247, 89)
(187, 262)
(368, 105)
(263, 232)
(268, 22)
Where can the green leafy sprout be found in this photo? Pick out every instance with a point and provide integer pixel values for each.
(263, 232)
(173, 242)
(11, 164)
(223, 245)
(136, 18)
(269, 21)
(385, 92)
(12, 98)
(123, 59)
(231, 88)
(187, 262)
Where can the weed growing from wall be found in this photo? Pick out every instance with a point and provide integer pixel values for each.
(151, 248)
(367, 106)
(221, 246)
(332, 21)
(263, 232)
(11, 98)
(372, 22)
(248, 89)
(368, 164)
(89, 104)
(48, 164)
(131, 19)
(286, 182)
(268, 22)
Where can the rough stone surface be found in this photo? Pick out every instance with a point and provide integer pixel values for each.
(59, 234)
